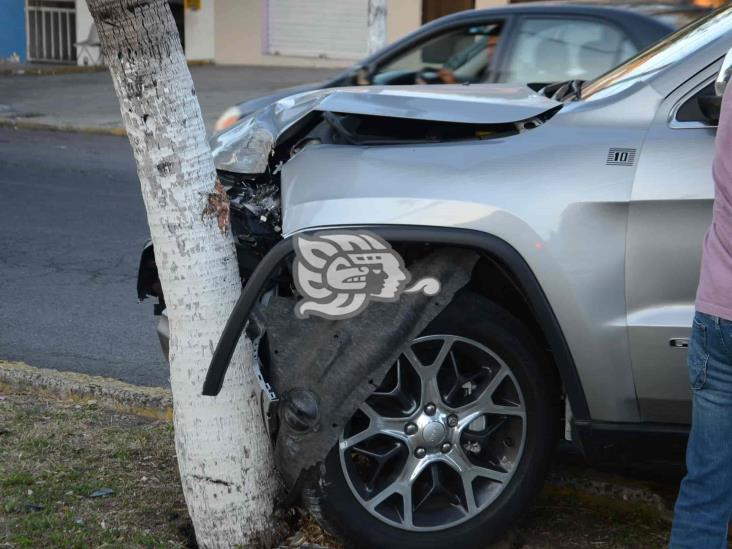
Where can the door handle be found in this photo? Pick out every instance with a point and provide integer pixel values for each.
(679, 342)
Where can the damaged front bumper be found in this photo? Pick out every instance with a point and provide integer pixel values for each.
(320, 371)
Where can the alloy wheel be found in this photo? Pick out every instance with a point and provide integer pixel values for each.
(439, 439)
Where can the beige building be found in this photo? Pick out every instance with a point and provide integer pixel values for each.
(313, 33)
(305, 33)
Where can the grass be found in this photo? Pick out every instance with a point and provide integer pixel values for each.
(568, 518)
(54, 455)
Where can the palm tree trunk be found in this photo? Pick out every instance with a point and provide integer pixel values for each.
(223, 451)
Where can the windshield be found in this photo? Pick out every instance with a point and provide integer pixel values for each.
(666, 52)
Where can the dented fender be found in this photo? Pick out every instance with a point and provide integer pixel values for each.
(484, 244)
(292, 399)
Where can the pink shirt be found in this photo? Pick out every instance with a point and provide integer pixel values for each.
(714, 295)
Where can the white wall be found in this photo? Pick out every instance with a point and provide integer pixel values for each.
(84, 22)
(239, 33)
(200, 32)
(480, 4)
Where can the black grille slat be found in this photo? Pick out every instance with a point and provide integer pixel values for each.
(228, 179)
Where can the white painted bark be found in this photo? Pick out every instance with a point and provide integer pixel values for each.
(223, 451)
(377, 38)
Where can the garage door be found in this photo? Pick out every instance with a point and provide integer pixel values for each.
(317, 28)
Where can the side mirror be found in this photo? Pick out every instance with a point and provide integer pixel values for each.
(724, 74)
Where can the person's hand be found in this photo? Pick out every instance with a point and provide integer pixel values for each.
(447, 76)
(362, 77)
(432, 76)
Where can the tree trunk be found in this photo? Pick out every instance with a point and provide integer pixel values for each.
(376, 26)
(223, 451)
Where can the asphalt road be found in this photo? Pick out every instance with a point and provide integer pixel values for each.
(88, 100)
(72, 224)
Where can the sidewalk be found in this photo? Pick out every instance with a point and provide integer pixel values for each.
(9, 68)
(86, 100)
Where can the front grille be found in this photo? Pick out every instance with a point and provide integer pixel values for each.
(228, 179)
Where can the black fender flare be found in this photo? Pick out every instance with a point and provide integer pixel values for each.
(146, 272)
(484, 243)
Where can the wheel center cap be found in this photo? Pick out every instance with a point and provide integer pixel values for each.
(434, 433)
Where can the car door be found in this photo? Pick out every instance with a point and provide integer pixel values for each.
(669, 213)
(546, 48)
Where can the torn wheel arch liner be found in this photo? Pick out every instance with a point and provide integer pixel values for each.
(483, 243)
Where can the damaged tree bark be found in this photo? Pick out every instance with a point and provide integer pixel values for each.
(223, 451)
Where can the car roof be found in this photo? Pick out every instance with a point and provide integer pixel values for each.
(638, 25)
(675, 15)
(625, 12)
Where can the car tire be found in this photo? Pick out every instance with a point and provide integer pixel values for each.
(336, 503)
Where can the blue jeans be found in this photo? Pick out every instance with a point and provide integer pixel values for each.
(704, 506)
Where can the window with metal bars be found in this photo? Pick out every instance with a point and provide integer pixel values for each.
(51, 31)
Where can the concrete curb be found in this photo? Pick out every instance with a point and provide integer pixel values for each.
(153, 402)
(26, 70)
(54, 70)
(23, 124)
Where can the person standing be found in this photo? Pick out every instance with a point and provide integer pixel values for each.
(704, 505)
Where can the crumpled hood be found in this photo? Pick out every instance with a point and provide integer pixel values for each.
(254, 104)
(245, 147)
(475, 104)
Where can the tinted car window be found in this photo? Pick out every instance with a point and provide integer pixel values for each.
(668, 51)
(690, 111)
(464, 54)
(552, 50)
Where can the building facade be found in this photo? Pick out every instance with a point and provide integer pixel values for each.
(305, 33)
(309, 33)
(313, 33)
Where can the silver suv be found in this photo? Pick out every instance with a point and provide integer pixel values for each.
(584, 206)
